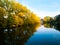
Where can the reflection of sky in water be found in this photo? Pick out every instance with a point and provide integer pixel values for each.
(45, 36)
(47, 30)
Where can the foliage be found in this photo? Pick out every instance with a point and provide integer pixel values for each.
(14, 14)
(48, 19)
(57, 18)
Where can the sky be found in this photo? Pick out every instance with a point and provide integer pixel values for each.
(42, 7)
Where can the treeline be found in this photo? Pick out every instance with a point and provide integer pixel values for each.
(52, 20)
(14, 14)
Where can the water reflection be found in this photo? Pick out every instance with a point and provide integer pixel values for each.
(48, 25)
(18, 36)
(55, 26)
(47, 34)
(15, 36)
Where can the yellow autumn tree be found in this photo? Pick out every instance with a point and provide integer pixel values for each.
(47, 19)
(14, 14)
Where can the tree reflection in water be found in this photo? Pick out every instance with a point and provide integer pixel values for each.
(48, 25)
(55, 26)
(19, 35)
(16, 36)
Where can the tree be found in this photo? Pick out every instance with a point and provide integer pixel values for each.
(48, 19)
(14, 14)
(57, 19)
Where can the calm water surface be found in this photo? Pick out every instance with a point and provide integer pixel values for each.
(44, 36)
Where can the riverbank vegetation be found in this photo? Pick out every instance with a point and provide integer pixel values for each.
(14, 14)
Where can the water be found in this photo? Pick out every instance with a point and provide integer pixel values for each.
(44, 36)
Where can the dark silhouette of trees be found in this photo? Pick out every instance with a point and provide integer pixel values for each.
(57, 19)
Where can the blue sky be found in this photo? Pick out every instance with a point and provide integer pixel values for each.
(42, 7)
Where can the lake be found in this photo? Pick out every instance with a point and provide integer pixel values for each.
(42, 36)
